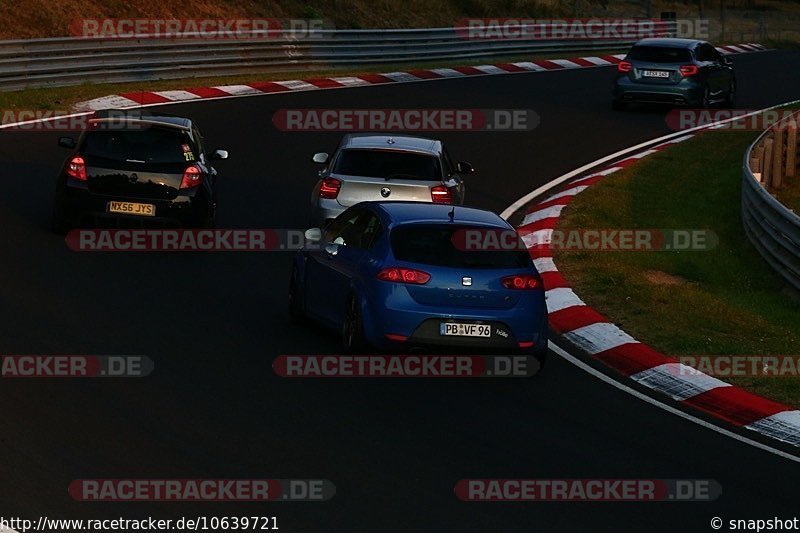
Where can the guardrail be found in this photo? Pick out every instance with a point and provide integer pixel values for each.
(773, 229)
(74, 60)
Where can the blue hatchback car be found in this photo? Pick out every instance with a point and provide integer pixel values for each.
(395, 276)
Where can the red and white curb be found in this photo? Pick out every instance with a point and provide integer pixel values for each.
(137, 98)
(589, 331)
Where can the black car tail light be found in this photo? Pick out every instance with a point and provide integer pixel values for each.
(688, 70)
(624, 66)
(77, 168)
(192, 177)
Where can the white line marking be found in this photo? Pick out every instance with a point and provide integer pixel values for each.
(238, 90)
(297, 85)
(640, 155)
(400, 76)
(490, 69)
(573, 191)
(548, 212)
(545, 264)
(566, 63)
(350, 81)
(599, 61)
(113, 101)
(784, 426)
(527, 65)
(542, 236)
(677, 380)
(448, 72)
(598, 337)
(561, 298)
(668, 408)
(178, 95)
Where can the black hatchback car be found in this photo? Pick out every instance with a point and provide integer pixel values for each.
(136, 169)
(675, 71)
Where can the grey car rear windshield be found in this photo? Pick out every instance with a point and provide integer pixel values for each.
(151, 144)
(660, 54)
(434, 245)
(387, 164)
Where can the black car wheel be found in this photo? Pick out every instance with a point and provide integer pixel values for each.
(296, 314)
(730, 101)
(352, 328)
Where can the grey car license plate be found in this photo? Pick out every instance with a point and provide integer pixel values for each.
(655, 73)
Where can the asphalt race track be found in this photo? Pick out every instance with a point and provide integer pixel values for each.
(213, 323)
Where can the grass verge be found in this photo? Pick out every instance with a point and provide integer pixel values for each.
(724, 301)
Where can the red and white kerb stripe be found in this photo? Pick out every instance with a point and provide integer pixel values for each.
(133, 99)
(592, 333)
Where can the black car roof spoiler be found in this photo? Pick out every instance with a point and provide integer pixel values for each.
(137, 116)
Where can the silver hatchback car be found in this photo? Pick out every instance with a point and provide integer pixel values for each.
(369, 167)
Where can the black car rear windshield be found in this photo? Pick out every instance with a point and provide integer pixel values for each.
(436, 245)
(388, 164)
(660, 54)
(150, 144)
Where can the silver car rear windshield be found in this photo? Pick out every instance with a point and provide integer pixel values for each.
(388, 164)
(659, 54)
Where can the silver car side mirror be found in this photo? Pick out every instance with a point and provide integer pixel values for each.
(320, 158)
(313, 235)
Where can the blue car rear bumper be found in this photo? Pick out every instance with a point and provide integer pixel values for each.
(390, 310)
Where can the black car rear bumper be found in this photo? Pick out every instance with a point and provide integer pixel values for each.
(79, 207)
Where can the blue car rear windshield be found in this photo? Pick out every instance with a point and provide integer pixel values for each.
(388, 164)
(151, 144)
(434, 245)
(659, 54)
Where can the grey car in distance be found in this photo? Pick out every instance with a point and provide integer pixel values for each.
(682, 72)
(373, 167)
